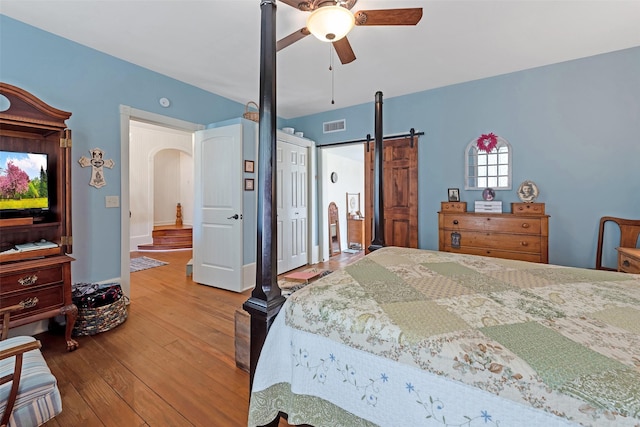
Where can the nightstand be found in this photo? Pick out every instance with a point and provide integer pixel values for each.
(629, 260)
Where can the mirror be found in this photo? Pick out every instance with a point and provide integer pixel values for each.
(334, 230)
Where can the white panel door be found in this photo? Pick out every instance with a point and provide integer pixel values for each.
(282, 171)
(299, 205)
(217, 225)
(292, 206)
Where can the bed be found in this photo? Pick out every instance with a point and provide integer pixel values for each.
(400, 336)
(416, 337)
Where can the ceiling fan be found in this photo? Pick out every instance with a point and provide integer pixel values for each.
(331, 21)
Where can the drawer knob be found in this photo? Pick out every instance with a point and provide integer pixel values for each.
(524, 243)
(28, 280)
(626, 263)
(525, 225)
(29, 302)
(455, 221)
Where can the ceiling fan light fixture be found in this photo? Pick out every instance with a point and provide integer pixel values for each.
(330, 23)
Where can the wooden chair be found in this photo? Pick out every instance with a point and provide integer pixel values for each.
(29, 393)
(629, 232)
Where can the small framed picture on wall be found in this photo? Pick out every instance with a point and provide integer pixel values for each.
(249, 166)
(454, 195)
(248, 184)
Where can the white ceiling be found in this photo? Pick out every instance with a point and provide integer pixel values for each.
(214, 44)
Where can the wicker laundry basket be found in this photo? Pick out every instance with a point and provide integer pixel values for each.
(99, 311)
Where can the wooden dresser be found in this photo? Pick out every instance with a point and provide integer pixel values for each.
(523, 235)
(629, 260)
(355, 233)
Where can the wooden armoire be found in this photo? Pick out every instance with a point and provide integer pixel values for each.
(37, 279)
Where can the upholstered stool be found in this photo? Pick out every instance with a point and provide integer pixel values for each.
(38, 399)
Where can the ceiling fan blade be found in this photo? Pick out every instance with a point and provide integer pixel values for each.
(409, 16)
(292, 38)
(344, 51)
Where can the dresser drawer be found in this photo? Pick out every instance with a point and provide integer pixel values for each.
(509, 242)
(527, 208)
(31, 278)
(502, 235)
(511, 224)
(453, 206)
(628, 263)
(496, 253)
(37, 301)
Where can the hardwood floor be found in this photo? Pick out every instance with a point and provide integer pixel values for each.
(172, 363)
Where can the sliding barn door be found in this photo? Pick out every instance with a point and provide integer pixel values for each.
(292, 206)
(400, 180)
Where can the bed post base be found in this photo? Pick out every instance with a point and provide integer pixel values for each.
(373, 247)
(262, 313)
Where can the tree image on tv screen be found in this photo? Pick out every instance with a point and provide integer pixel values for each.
(23, 181)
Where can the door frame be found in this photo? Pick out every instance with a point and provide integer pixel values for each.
(323, 183)
(128, 113)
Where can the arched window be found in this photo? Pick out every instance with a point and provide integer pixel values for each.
(488, 170)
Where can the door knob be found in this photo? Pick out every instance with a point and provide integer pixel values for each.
(236, 216)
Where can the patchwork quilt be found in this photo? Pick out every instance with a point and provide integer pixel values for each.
(416, 337)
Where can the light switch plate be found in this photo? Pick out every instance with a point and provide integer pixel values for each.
(112, 201)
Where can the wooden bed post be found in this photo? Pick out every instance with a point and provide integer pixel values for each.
(266, 299)
(378, 200)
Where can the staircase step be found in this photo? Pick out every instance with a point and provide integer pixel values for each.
(172, 239)
(169, 237)
(177, 232)
(153, 247)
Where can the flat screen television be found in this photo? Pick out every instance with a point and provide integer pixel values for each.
(23, 184)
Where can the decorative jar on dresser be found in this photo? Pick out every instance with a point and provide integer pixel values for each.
(521, 235)
(35, 270)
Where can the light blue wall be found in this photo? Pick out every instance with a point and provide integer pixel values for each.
(574, 128)
(92, 86)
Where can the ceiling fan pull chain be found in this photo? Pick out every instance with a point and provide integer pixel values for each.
(332, 75)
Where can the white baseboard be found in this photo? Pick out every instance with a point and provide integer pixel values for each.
(315, 255)
(31, 329)
(248, 276)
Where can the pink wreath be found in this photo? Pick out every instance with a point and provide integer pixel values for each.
(487, 142)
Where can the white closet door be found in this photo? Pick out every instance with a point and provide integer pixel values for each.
(292, 206)
(282, 173)
(299, 253)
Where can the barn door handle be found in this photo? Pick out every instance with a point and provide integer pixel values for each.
(236, 216)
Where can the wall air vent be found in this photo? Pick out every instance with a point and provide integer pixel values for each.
(334, 126)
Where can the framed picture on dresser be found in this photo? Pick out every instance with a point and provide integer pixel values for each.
(454, 195)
